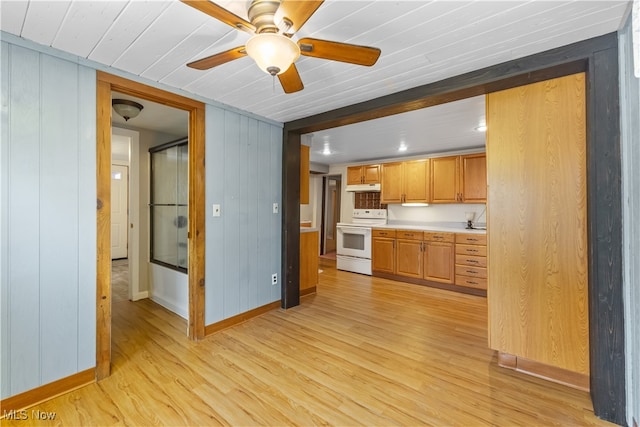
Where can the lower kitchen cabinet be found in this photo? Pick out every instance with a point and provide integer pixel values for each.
(439, 257)
(409, 249)
(471, 261)
(451, 260)
(383, 251)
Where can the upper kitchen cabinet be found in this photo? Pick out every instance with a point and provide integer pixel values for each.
(364, 174)
(304, 174)
(445, 172)
(459, 179)
(405, 182)
(473, 178)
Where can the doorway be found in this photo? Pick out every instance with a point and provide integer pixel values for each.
(331, 191)
(106, 83)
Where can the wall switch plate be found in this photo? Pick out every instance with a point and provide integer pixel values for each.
(276, 208)
(274, 279)
(216, 210)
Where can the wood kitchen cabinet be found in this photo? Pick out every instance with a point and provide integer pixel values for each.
(425, 257)
(405, 182)
(459, 179)
(473, 178)
(439, 257)
(409, 253)
(383, 250)
(471, 260)
(364, 174)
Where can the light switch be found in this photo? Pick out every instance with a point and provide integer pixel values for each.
(216, 210)
(275, 208)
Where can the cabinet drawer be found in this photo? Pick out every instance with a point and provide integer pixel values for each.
(471, 250)
(471, 282)
(433, 236)
(409, 235)
(381, 232)
(472, 239)
(467, 270)
(474, 261)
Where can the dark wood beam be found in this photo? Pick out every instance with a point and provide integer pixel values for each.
(290, 220)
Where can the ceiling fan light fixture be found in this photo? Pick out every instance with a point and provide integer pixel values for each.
(126, 108)
(272, 52)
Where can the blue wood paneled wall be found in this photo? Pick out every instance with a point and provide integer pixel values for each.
(244, 168)
(48, 193)
(48, 216)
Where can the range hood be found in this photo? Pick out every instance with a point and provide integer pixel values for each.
(363, 187)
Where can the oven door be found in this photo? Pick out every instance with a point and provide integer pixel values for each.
(354, 241)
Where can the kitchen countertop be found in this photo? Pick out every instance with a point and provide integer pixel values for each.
(450, 227)
(307, 230)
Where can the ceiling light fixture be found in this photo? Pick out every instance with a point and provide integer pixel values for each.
(326, 151)
(481, 128)
(126, 108)
(273, 53)
(402, 147)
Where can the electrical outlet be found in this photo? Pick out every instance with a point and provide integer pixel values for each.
(274, 279)
(275, 208)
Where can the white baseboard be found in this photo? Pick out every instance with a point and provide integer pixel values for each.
(169, 306)
(140, 295)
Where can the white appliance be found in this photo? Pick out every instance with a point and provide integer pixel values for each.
(353, 252)
(363, 187)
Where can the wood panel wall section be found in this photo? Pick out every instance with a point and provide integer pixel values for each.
(538, 270)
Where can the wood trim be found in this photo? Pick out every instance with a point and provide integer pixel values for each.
(308, 291)
(240, 318)
(551, 373)
(48, 391)
(506, 360)
(432, 284)
(103, 270)
(105, 84)
(141, 90)
(599, 58)
(197, 210)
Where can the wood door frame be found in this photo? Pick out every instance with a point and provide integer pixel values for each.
(106, 83)
(598, 57)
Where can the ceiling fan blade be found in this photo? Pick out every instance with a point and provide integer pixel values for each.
(297, 12)
(290, 80)
(336, 51)
(221, 14)
(218, 58)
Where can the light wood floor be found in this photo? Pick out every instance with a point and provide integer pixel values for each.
(361, 351)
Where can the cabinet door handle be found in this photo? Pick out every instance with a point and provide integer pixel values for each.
(472, 250)
(472, 261)
(471, 271)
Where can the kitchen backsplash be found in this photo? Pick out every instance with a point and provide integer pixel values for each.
(454, 212)
(368, 200)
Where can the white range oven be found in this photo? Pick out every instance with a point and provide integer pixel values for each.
(353, 252)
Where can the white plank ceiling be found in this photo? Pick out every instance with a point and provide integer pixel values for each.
(421, 42)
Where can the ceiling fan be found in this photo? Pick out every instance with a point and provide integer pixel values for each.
(273, 23)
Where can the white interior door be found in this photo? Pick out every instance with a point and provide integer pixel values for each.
(119, 211)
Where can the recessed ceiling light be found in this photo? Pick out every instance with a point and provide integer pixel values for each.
(402, 147)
